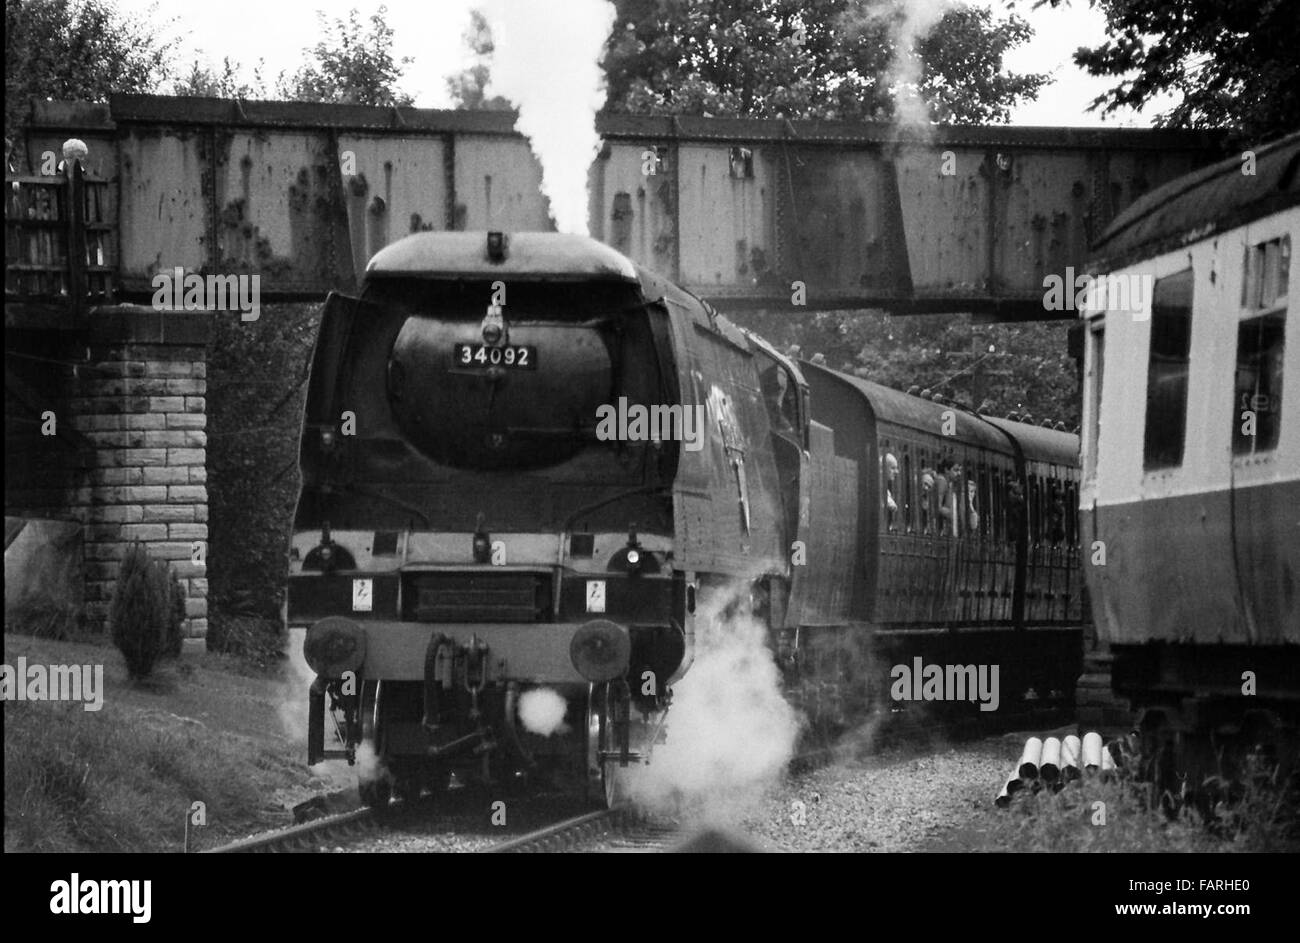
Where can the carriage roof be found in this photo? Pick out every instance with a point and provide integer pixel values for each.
(1210, 200)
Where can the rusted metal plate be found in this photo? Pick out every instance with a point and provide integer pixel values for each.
(498, 185)
(947, 259)
(277, 208)
(842, 228)
(163, 222)
(634, 206)
(392, 186)
(727, 216)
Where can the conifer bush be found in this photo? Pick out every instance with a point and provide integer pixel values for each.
(148, 612)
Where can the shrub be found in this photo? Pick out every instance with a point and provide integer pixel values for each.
(148, 612)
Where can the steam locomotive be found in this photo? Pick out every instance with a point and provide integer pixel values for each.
(1191, 461)
(530, 465)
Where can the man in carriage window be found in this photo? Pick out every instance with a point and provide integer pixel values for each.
(947, 484)
(891, 483)
(972, 511)
(927, 500)
(1015, 509)
(1056, 514)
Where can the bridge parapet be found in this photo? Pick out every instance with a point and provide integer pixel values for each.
(862, 215)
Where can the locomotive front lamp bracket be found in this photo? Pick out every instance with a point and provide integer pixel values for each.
(493, 328)
(482, 542)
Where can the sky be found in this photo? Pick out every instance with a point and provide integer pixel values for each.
(430, 31)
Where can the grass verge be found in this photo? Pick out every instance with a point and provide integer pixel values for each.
(123, 778)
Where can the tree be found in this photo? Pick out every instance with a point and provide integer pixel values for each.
(77, 50)
(350, 64)
(1028, 367)
(1229, 63)
(467, 90)
(846, 59)
(220, 83)
(147, 614)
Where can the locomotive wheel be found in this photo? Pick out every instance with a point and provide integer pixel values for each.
(608, 783)
(377, 789)
(617, 783)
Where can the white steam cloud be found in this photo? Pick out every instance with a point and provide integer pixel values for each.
(546, 61)
(541, 711)
(919, 17)
(291, 708)
(908, 21)
(369, 766)
(731, 733)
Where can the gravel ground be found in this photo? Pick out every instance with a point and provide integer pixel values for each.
(463, 821)
(894, 801)
(899, 799)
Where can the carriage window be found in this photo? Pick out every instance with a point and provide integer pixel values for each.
(1040, 509)
(1032, 516)
(1171, 337)
(1097, 365)
(889, 493)
(925, 493)
(996, 504)
(948, 498)
(1267, 273)
(908, 503)
(1017, 507)
(1257, 410)
(1071, 512)
(1057, 512)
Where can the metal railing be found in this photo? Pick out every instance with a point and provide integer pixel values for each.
(59, 238)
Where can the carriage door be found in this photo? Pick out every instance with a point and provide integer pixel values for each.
(1262, 507)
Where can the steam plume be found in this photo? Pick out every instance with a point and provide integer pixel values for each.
(541, 711)
(919, 17)
(731, 733)
(291, 708)
(547, 63)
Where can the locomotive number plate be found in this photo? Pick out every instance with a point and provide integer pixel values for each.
(516, 357)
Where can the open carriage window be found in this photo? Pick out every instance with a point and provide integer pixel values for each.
(1167, 371)
(1261, 346)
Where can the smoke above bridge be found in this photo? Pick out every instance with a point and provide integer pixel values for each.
(547, 63)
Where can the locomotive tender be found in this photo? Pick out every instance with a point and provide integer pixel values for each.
(466, 534)
(1190, 503)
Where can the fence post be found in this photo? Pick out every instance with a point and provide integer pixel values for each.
(76, 194)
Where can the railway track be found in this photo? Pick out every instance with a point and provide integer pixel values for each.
(309, 836)
(608, 830)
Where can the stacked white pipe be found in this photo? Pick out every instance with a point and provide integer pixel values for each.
(1054, 762)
